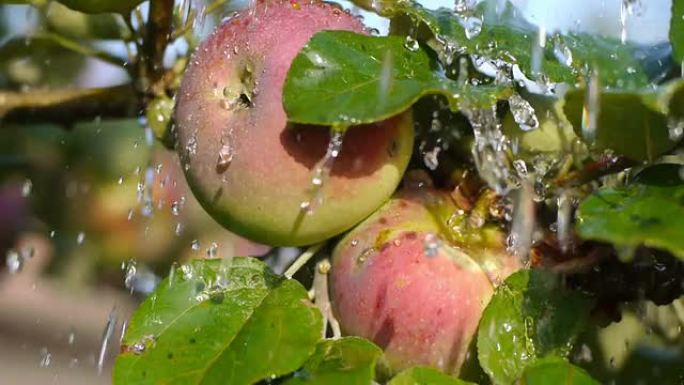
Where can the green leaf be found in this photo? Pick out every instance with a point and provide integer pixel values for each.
(631, 123)
(677, 30)
(555, 370)
(425, 376)
(346, 361)
(530, 316)
(343, 78)
(214, 323)
(102, 6)
(506, 36)
(649, 212)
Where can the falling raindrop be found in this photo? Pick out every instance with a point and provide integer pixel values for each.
(523, 113)
(45, 358)
(473, 26)
(523, 224)
(80, 238)
(212, 250)
(120, 180)
(537, 54)
(430, 158)
(562, 53)
(322, 171)
(675, 128)
(26, 188)
(564, 220)
(14, 261)
(106, 337)
(591, 108)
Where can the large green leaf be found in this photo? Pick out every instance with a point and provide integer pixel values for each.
(347, 361)
(649, 212)
(214, 323)
(555, 370)
(677, 30)
(343, 78)
(530, 316)
(507, 37)
(425, 376)
(632, 123)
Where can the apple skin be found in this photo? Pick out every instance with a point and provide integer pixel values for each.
(396, 281)
(231, 98)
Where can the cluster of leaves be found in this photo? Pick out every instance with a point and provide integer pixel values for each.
(216, 322)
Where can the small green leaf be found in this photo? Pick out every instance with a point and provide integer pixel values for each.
(631, 123)
(506, 36)
(102, 6)
(213, 323)
(677, 30)
(347, 361)
(530, 316)
(649, 212)
(343, 78)
(425, 376)
(555, 370)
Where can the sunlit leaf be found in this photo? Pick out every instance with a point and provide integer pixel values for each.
(102, 6)
(344, 78)
(530, 316)
(212, 323)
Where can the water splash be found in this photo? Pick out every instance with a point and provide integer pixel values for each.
(562, 53)
(321, 172)
(472, 26)
(537, 55)
(26, 188)
(523, 113)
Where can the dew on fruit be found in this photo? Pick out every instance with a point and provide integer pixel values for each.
(431, 244)
(225, 155)
(195, 245)
(523, 113)
(321, 172)
(591, 108)
(212, 250)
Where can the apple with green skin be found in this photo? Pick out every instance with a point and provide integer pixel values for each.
(396, 280)
(251, 170)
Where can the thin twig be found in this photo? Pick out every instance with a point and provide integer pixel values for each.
(68, 105)
(157, 34)
(302, 259)
(322, 298)
(82, 49)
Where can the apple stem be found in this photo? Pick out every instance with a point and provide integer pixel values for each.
(302, 260)
(322, 298)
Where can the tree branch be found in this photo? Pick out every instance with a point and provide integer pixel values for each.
(67, 106)
(157, 35)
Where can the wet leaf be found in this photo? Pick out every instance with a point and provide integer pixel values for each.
(344, 78)
(346, 361)
(425, 376)
(555, 370)
(677, 30)
(68, 22)
(507, 37)
(213, 323)
(648, 212)
(530, 316)
(631, 123)
(102, 6)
